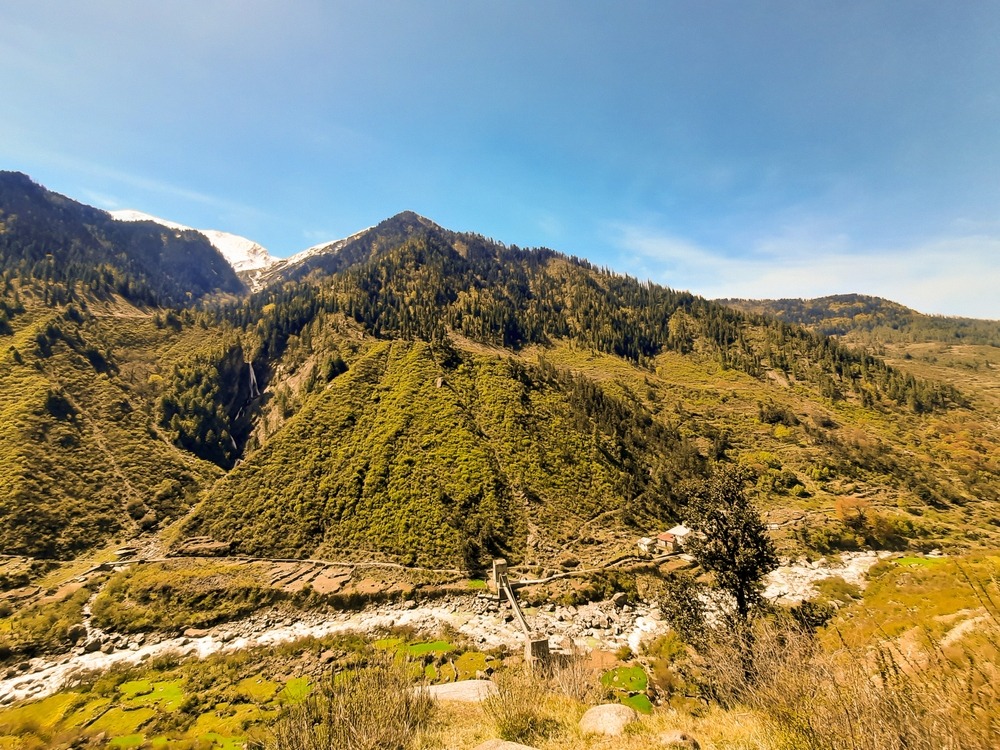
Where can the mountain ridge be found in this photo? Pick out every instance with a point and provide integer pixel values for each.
(435, 397)
(864, 317)
(241, 253)
(48, 235)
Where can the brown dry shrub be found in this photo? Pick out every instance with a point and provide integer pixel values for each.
(856, 699)
(515, 708)
(571, 676)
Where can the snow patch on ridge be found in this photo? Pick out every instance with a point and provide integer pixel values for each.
(324, 248)
(241, 253)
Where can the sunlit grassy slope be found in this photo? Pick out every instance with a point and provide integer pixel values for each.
(444, 459)
(80, 458)
(444, 455)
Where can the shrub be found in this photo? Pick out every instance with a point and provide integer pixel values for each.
(771, 413)
(569, 675)
(624, 653)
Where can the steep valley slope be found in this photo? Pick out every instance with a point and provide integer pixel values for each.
(432, 398)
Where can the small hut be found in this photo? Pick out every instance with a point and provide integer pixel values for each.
(646, 546)
(673, 540)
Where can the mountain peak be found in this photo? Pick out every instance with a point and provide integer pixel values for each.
(331, 254)
(412, 217)
(241, 253)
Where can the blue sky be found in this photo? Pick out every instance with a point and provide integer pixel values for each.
(753, 149)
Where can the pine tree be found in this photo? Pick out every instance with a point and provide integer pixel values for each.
(731, 540)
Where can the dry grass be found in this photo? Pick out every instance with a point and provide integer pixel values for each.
(570, 676)
(461, 726)
(794, 693)
(372, 708)
(855, 699)
(516, 708)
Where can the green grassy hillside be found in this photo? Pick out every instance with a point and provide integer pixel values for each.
(81, 459)
(436, 398)
(849, 450)
(444, 458)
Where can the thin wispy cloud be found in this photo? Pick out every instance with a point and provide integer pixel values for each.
(106, 176)
(102, 200)
(169, 189)
(318, 235)
(949, 275)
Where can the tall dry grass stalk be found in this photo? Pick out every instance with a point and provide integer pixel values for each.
(373, 708)
(571, 676)
(516, 707)
(856, 699)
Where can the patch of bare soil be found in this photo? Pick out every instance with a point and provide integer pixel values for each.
(400, 587)
(64, 591)
(331, 580)
(301, 577)
(599, 660)
(283, 572)
(370, 586)
(21, 594)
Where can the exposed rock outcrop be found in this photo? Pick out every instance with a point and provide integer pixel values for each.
(608, 719)
(466, 691)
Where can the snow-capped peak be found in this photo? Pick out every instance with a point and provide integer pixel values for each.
(242, 254)
(323, 248)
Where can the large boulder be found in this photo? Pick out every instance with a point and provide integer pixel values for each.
(77, 633)
(466, 691)
(92, 645)
(610, 719)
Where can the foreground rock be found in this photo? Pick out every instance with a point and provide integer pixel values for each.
(501, 745)
(609, 719)
(678, 740)
(466, 691)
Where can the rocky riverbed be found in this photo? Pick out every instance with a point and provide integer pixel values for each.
(604, 625)
(795, 579)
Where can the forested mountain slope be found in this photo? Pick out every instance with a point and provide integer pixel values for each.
(81, 459)
(424, 396)
(859, 317)
(47, 236)
(425, 369)
(82, 341)
(409, 278)
(427, 454)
